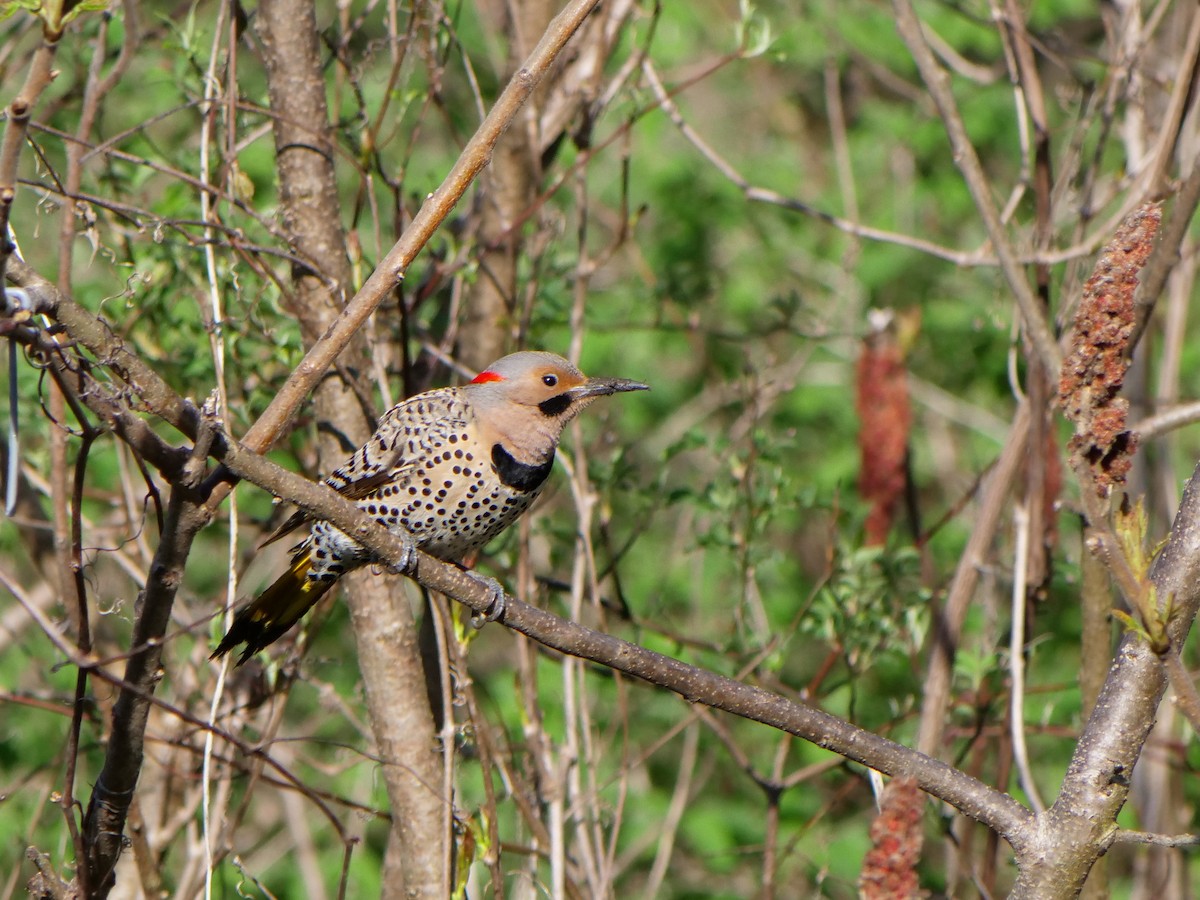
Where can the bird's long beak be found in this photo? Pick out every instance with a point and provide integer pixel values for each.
(600, 387)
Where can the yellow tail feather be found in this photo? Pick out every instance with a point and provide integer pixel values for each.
(274, 611)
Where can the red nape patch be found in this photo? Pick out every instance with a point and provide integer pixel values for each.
(485, 377)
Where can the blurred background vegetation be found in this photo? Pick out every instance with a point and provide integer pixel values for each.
(724, 521)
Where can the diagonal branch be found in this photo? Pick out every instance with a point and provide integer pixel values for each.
(392, 674)
(995, 809)
(99, 339)
(104, 825)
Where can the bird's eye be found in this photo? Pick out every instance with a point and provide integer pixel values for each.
(550, 380)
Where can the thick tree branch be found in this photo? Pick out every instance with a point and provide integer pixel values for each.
(385, 633)
(995, 809)
(1081, 823)
(113, 793)
(104, 825)
(110, 351)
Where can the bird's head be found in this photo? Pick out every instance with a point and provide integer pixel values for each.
(548, 382)
(541, 388)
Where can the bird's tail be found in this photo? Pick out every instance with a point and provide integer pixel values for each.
(274, 611)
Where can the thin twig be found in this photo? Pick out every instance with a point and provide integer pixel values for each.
(250, 749)
(685, 769)
(37, 79)
(216, 344)
(1016, 661)
(1126, 836)
(1187, 699)
(1166, 420)
(1165, 256)
(948, 624)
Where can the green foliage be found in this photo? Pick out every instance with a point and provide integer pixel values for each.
(872, 603)
(56, 14)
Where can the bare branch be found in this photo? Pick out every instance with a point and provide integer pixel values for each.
(114, 788)
(1158, 840)
(18, 114)
(388, 656)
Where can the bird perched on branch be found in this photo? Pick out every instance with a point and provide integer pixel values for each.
(449, 469)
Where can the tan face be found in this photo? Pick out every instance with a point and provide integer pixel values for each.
(546, 386)
(545, 382)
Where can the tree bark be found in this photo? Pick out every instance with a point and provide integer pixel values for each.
(383, 623)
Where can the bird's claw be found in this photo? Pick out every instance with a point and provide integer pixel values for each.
(497, 606)
(408, 554)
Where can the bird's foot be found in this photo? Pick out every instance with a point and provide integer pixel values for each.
(408, 552)
(497, 606)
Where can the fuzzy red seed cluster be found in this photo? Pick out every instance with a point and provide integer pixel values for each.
(885, 417)
(1094, 370)
(889, 868)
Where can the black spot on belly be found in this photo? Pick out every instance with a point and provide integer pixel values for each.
(518, 475)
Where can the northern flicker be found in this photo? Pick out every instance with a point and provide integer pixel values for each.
(451, 468)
